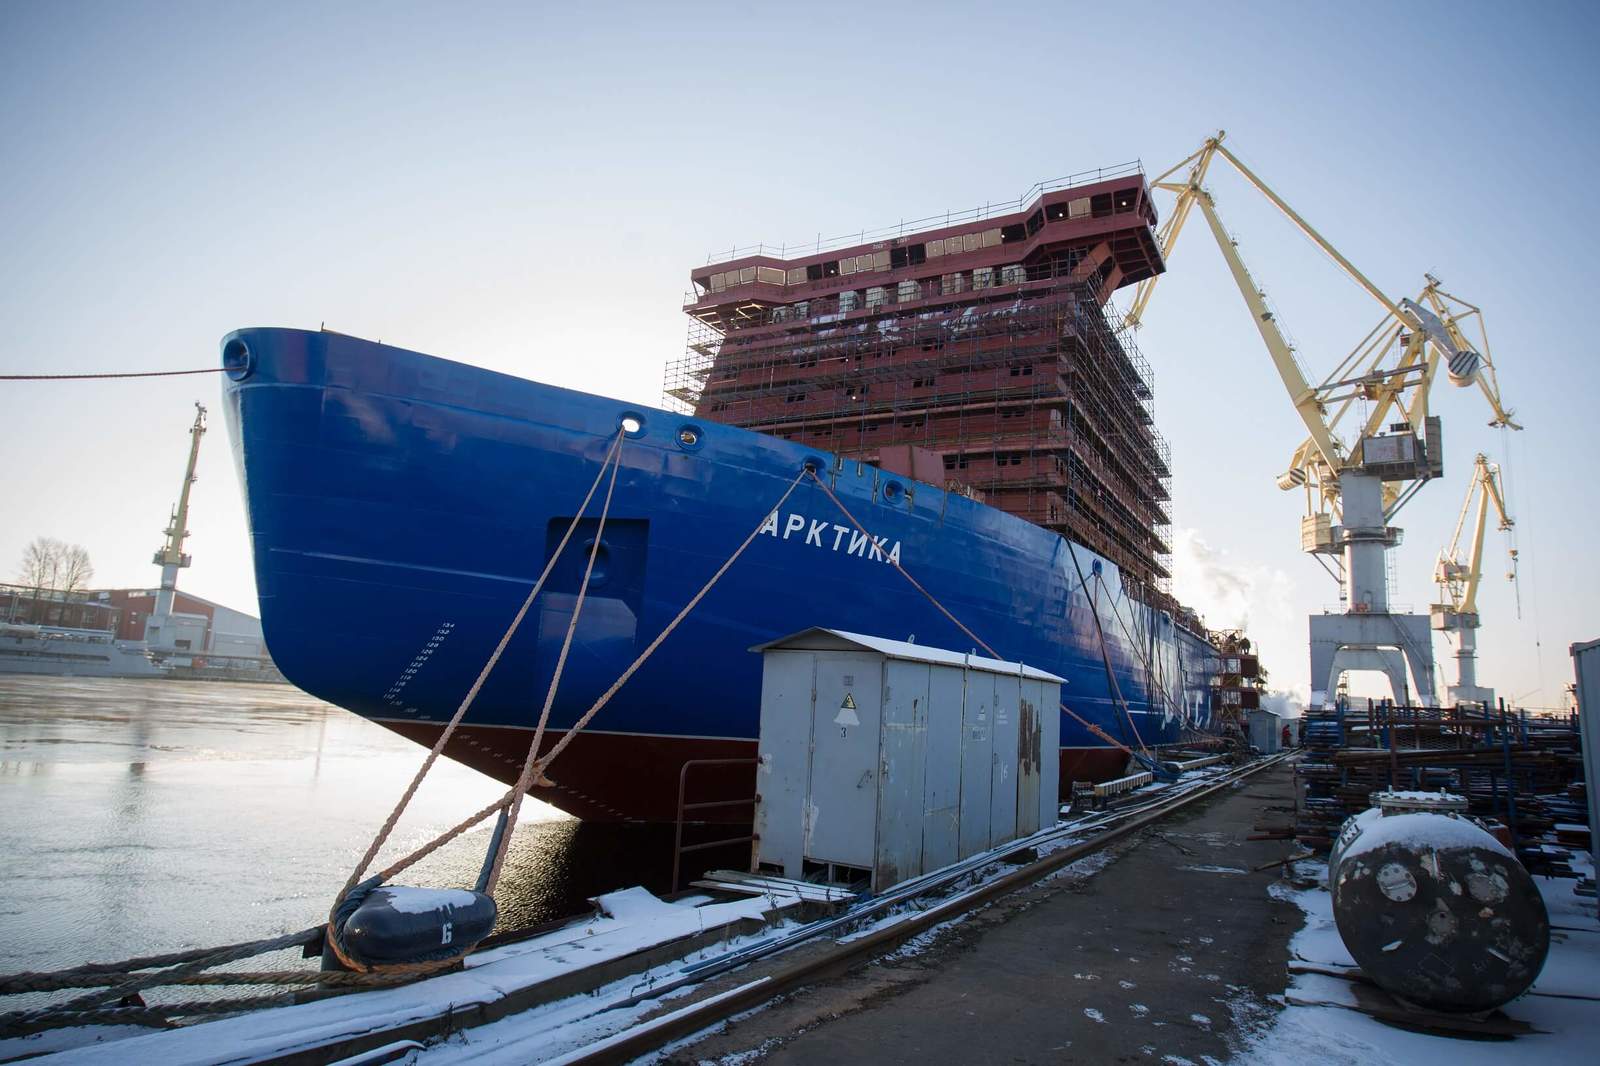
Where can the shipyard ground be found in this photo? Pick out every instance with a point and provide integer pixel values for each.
(1166, 946)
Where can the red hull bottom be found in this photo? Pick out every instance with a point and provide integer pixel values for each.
(627, 777)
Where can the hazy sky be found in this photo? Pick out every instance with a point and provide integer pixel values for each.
(527, 189)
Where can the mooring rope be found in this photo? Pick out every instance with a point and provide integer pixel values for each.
(1144, 657)
(1090, 726)
(543, 763)
(1105, 653)
(694, 601)
(511, 804)
(22, 1020)
(614, 452)
(122, 979)
(106, 377)
(529, 775)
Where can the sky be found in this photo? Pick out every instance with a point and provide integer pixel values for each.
(526, 188)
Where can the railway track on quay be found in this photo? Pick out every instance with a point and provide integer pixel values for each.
(873, 927)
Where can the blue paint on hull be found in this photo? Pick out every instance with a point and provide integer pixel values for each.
(401, 506)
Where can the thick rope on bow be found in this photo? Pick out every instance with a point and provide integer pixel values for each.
(356, 891)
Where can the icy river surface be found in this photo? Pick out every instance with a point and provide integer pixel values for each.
(147, 816)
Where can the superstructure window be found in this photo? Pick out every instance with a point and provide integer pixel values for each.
(1013, 233)
(794, 397)
(910, 255)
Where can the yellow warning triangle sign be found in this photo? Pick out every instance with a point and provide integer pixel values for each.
(849, 703)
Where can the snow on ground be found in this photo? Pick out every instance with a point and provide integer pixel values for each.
(1569, 1028)
(51, 1040)
(630, 920)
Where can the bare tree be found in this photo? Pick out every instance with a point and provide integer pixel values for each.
(48, 563)
(41, 561)
(76, 569)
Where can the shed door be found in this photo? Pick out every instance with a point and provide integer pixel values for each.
(900, 792)
(1030, 735)
(843, 812)
(784, 774)
(977, 762)
(941, 782)
(1003, 789)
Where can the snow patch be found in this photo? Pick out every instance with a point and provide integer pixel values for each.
(427, 900)
(1434, 831)
(1568, 1028)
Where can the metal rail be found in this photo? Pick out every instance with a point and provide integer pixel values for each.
(649, 1036)
(679, 848)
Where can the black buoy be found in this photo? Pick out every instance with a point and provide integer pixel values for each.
(1436, 911)
(400, 925)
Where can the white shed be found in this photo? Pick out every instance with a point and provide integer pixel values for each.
(882, 760)
(1266, 731)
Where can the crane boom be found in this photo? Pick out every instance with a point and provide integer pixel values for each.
(171, 551)
(1461, 589)
(1456, 613)
(159, 628)
(1301, 394)
(1305, 227)
(1394, 368)
(1362, 482)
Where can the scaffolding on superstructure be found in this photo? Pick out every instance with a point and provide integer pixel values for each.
(1021, 379)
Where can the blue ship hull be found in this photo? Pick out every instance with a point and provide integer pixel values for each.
(401, 506)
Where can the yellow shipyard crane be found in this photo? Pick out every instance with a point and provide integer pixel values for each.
(1379, 393)
(1456, 613)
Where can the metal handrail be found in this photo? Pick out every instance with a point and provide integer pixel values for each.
(679, 848)
(948, 218)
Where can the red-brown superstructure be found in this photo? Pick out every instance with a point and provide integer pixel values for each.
(975, 352)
